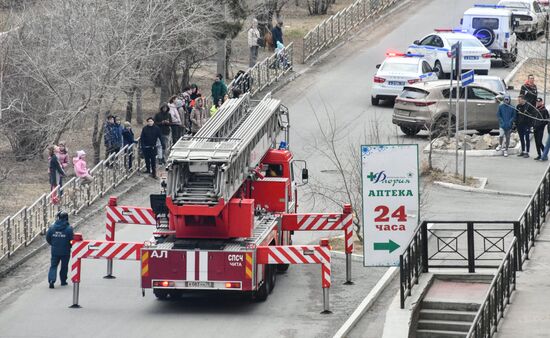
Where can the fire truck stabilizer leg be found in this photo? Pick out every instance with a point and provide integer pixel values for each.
(348, 270)
(109, 270)
(76, 289)
(326, 306)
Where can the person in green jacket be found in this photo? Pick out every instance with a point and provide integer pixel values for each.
(219, 89)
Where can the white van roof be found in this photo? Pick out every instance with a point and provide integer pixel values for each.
(483, 11)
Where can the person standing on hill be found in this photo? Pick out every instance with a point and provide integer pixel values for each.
(277, 33)
(253, 38)
(163, 120)
(219, 89)
(176, 126)
(150, 134)
(56, 172)
(529, 90)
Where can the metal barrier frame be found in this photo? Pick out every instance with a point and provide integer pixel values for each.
(341, 23)
(27, 224)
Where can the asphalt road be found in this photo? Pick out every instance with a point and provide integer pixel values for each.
(114, 308)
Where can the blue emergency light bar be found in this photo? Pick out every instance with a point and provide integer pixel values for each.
(489, 6)
(414, 55)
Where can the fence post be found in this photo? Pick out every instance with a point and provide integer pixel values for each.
(26, 231)
(44, 214)
(424, 246)
(518, 247)
(401, 281)
(471, 249)
(102, 179)
(9, 239)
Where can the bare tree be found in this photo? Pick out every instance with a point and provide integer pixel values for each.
(318, 7)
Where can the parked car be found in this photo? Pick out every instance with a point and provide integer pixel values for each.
(544, 4)
(494, 27)
(530, 15)
(425, 106)
(495, 83)
(436, 48)
(397, 70)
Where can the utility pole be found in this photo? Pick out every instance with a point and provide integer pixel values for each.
(221, 46)
(546, 53)
(458, 73)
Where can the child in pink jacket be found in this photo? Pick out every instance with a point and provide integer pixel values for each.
(79, 163)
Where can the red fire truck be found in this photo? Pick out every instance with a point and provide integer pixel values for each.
(228, 211)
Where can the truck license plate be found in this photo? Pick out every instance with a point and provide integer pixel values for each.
(471, 57)
(396, 83)
(199, 284)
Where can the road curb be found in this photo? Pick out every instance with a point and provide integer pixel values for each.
(5, 271)
(515, 70)
(480, 190)
(367, 302)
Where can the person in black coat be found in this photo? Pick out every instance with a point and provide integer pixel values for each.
(56, 172)
(59, 237)
(127, 140)
(524, 122)
(538, 126)
(277, 33)
(163, 120)
(529, 90)
(150, 134)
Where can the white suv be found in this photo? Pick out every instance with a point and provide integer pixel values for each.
(530, 15)
(494, 27)
(436, 48)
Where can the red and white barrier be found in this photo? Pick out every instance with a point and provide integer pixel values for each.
(126, 215)
(325, 222)
(88, 249)
(301, 254)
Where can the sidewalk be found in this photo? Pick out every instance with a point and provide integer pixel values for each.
(528, 315)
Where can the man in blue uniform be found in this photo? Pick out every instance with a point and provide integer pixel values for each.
(59, 237)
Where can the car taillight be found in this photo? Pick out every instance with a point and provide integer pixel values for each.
(411, 81)
(230, 285)
(505, 45)
(450, 54)
(379, 79)
(486, 55)
(424, 103)
(164, 284)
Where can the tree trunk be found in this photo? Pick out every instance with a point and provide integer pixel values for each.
(139, 110)
(97, 135)
(185, 77)
(165, 84)
(222, 50)
(130, 103)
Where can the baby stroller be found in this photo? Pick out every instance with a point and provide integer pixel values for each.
(281, 59)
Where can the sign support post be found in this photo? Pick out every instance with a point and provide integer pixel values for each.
(458, 72)
(466, 79)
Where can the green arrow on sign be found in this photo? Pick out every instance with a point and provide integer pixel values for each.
(391, 246)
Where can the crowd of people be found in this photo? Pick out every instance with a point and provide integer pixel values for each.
(529, 116)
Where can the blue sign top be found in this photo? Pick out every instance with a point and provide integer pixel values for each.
(467, 77)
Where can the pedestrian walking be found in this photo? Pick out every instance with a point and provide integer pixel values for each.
(253, 42)
(128, 139)
(539, 124)
(59, 237)
(529, 90)
(163, 120)
(277, 33)
(219, 89)
(198, 115)
(81, 169)
(55, 173)
(506, 116)
(150, 134)
(176, 125)
(109, 135)
(524, 122)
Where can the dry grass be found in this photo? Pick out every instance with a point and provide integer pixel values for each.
(436, 174)
(337, 244)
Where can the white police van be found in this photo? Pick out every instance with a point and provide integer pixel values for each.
(494, 27)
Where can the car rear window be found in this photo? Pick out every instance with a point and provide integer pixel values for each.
(494, 84)
(491, 23)
(400, 67)
(467, 42)
(413, 93)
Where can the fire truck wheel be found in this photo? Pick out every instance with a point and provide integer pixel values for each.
(273, 277)
(263, 292)
(282, 267)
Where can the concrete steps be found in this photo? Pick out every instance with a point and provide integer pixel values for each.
(445, 319)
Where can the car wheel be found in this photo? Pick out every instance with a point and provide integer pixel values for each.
(483, 131)
(483, 72)
(439, 70)
(161, 294)
(282, 267)
(441, 126)
(264, 290)
(409, 131)
(374, 101)
(533, 35)
(514, 55)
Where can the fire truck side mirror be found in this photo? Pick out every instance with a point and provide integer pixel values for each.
(305, 175)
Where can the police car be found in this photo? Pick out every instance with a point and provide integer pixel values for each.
(436, 48)
(398, 70)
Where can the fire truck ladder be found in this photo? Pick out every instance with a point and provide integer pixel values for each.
(215, 168)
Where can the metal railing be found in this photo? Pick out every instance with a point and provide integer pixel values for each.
(341, 23)
(498, 296)
(28, 223)
(265, 72)
(454, 244)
